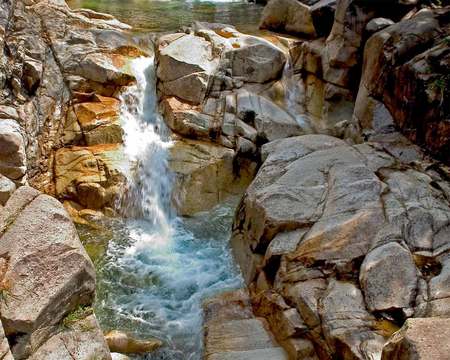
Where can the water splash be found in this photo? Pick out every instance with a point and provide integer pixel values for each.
(159, 267)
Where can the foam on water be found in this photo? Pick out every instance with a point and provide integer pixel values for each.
(159, 267)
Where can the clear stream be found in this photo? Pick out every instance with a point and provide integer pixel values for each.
(154, 268)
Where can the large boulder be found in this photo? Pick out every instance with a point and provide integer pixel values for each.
(47, 272)
(405, 68)
(289, 16)
(353, 238)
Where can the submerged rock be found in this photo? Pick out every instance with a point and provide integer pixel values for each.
(123, 343)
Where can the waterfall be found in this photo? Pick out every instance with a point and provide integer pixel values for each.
(159, 267)
(146, 144)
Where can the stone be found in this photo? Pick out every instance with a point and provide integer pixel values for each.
(270, 121)
(7, 187)
(420, 338)
(73, 166)
(31, 75)
(184, 67)
(347, 324)
(184, 120)
(91, 195)
(118, 356)
(255, 60)
(121, 342)
(289, 16)
(48, 273)
(5, 352)
(81, 340)
(383, 269)
(204, 175)
(99, 121)
(12, 150)
(378, 24)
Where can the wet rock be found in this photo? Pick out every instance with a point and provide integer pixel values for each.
(383, 269)
(91, 195)
(7, 187)
(122, 343)
(48, 273)
(205, 175)
(288, 16)
(419, 339)
(82, 340)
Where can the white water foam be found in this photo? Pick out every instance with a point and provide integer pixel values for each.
(160, 267)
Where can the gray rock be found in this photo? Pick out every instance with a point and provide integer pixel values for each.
(48, 272)
(83, 340)
(12, 150)
(383, 269)
(378, 24)
(7, 187)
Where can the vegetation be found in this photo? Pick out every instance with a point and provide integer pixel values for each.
(80, 313)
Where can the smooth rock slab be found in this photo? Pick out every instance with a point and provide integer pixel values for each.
(48, 273)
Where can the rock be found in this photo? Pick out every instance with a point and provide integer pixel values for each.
(31, 76)
(270, 121)
(48, 273)
(83, 340)
(347, 324)
(234, 333)
(118, 356)
(193, 162)
(91, 195)
(5, 352)
(7, 187)
(122, 343)
(415, 67)
(322, 13)
(184, 67)
(12, 150)
(378, 24)
(419, 339)
(353, 237)
(289, 16)
(185, 121)
(383, 269)
(99, 121)
(255, 60)
(73, 166)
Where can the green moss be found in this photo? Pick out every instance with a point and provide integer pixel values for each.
(80, 313)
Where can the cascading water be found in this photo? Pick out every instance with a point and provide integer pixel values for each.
(158, 267)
